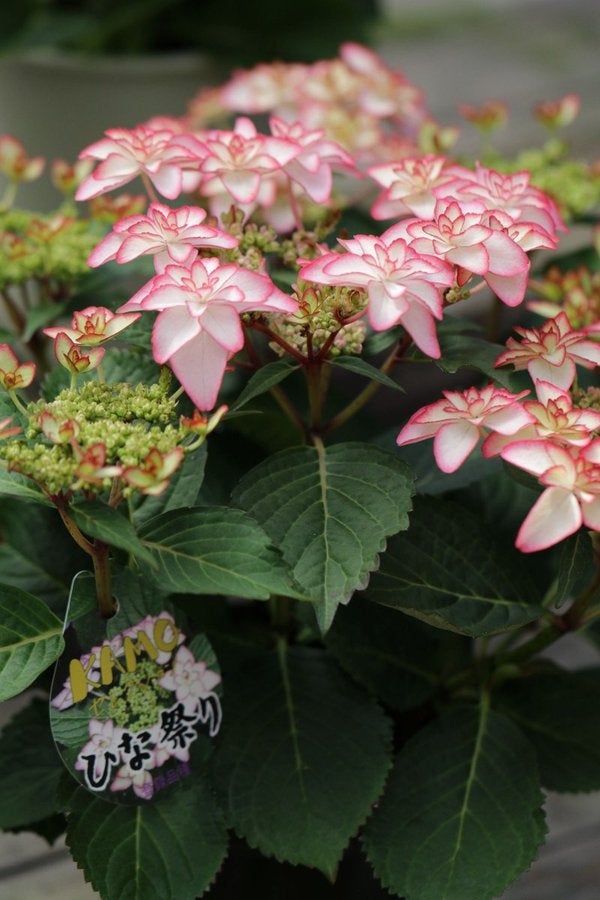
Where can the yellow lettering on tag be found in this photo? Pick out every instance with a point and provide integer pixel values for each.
(161, 639)
(78, 677)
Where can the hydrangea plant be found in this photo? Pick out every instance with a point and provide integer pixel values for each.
(218, 397)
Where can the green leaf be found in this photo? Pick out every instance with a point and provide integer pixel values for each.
(558, 712)
(215, 550)
(30, 640)
(461, 817)
(263, 380)
(450, 571)
(302, 756)
(360, 366)
(37, 554)
(98, 520)
(16, 485)
(576, 567)
(429, 477)
(460, 351)
(397, 657)
(41, 315)
(133, 365)
(183, 490)
(171, 847)
(30, 768)
(329, 510)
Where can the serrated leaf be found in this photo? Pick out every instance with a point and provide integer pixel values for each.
(182, 492)
(461, 817)
(360, 366)
(397, 657)
(214, 550)
(302, 756)
(558, 712)
(329, 510)
(30, 768)
(576, 567)
(263, 380)
(98, 520)
(450, 571)
(171, 847)
(15, 485)
(30, 640)
(133, 365)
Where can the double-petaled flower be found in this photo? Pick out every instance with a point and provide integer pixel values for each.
(169, 235)
(403, 285)
(457, 422)
(571, 477)
(551, 352)
(123, 154)
(198, 327)
(92, 326)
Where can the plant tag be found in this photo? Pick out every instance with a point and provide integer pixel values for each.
(135, 699)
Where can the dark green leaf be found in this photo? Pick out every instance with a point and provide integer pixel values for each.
(576, 567)
(302, 756)
(98, 520)
(37, 554)
(449, 570)
(360, 366)
(429, 477)
(169, 848)
(397, 657)
(30, 768)
(558, 711)
(263, 380)
(460, 351)
(15, 485)
(329, 510)
(183, 490)
(461, 817)
(30, 640)
(215, 550)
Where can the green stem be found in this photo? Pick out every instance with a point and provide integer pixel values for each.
(315, 394)
(365, 395)
(264, 329)
(99, 553)
(18, 403)
(103, 580)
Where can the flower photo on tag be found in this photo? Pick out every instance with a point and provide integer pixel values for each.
(132, 696)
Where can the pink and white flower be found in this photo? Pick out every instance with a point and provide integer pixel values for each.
(458, 422)
(124, 154)
(170, 235)
(572, 495)
(554, 418)
(198, 328)
(93, 325)
(14, 376)
(550, 353)
(105, 737)
(402, 284)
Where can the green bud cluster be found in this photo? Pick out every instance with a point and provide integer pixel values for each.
(128, 420)
(43, 247)
(588, 398)
(320, 313)
(136, 701)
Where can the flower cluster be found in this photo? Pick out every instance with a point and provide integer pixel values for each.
(550, 437)
(373, 111)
